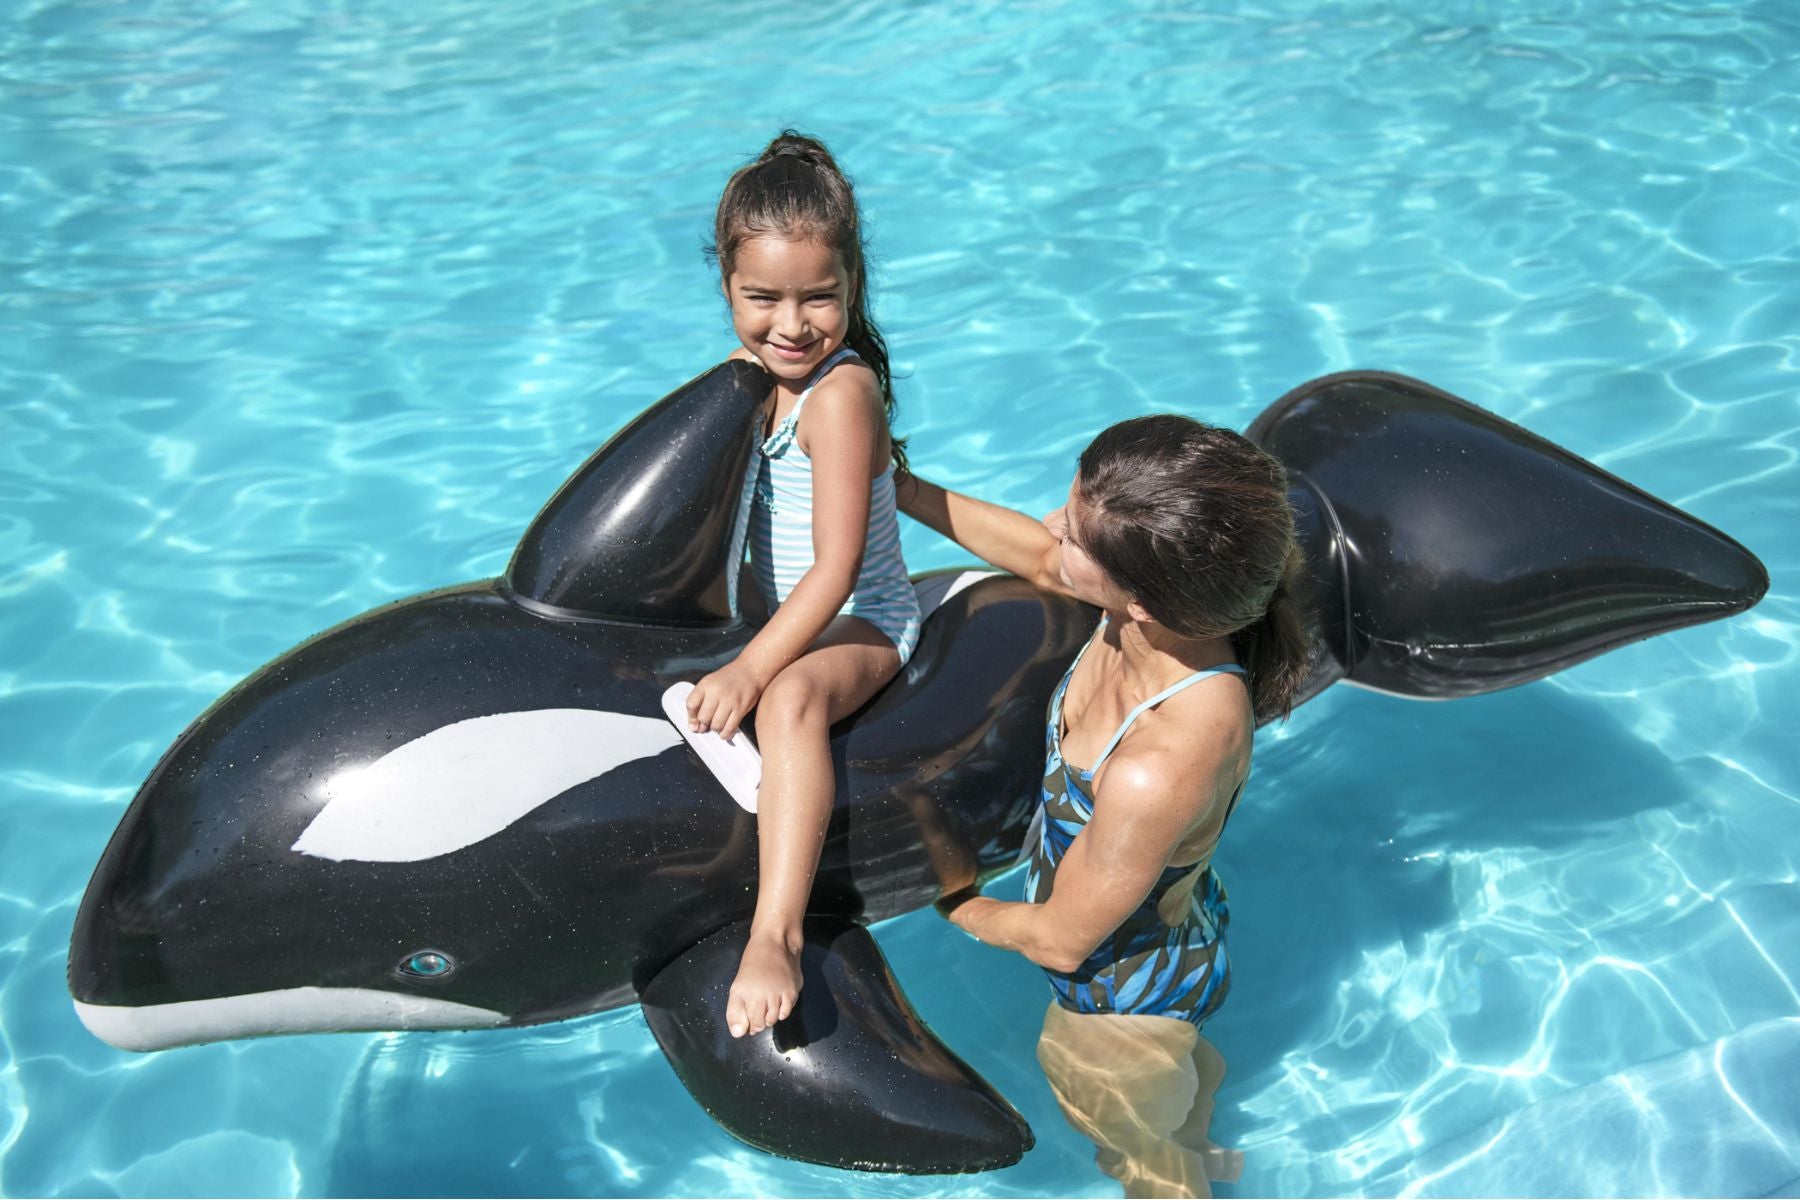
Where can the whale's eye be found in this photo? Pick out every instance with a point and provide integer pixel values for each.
(427, 964)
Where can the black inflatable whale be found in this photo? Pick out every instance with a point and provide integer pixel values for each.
(466, 809)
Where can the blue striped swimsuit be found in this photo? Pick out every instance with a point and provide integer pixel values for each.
(781, 533)
(1167, 958)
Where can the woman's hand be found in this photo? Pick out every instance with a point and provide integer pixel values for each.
(949, 905)
(1025, 928)
(1149, 801)
(721, 700)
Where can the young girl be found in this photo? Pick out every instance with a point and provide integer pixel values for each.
(824, 540)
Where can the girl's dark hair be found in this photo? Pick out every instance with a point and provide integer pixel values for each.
(1194, 522)
(794, 189)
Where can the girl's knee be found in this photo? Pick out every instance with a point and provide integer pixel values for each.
(793, 700)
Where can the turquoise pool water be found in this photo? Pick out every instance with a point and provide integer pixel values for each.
(308, 305)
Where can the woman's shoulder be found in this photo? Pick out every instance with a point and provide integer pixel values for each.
(1184, 750)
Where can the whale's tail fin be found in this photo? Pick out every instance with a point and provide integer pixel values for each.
(1454, 553)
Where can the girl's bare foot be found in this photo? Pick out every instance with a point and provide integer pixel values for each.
(767, 983)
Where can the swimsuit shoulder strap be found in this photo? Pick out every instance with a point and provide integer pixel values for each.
(843, 352)
(1056, 701)
(1152, 702)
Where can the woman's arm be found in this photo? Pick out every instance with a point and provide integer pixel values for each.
(1150, 803)
(1004, 537)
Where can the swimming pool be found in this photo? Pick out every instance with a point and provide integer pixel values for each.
(309, 306)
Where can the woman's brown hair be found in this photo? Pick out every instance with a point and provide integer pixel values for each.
(1194, 522)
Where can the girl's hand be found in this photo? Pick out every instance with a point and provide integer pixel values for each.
(721, 700)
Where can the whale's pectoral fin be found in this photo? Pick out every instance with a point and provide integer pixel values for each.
(852, 1079)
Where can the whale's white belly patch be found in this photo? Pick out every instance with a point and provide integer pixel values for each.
(465, 782)
(265, 1014)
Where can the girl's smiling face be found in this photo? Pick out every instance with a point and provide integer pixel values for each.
(790, 303)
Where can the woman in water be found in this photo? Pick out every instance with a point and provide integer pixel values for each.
(1182, 535)
(824, 540)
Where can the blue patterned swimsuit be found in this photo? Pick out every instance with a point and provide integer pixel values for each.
(1174, 967)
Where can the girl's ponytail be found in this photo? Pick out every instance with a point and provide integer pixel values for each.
(789, 144)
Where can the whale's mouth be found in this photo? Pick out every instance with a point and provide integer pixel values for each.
(267, 1014)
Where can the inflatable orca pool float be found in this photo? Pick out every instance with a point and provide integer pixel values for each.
(466, 809)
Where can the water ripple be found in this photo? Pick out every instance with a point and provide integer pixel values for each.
(306, 307)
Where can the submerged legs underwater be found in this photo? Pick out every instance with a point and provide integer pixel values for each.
(1141, 1089)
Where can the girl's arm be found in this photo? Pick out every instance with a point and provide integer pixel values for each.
(1151, 801)
(1004, 537)
(843, 426)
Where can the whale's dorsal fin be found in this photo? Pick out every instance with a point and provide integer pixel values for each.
(650, 529)
(851, 1079)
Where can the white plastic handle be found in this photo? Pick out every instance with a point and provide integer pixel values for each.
(735, 764)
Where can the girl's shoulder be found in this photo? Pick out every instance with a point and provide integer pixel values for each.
(848, 392)
(852, 378)
(845, 409)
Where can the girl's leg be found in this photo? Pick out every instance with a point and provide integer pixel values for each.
(840, 673)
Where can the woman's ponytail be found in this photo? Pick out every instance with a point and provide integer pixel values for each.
(1276, 649)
